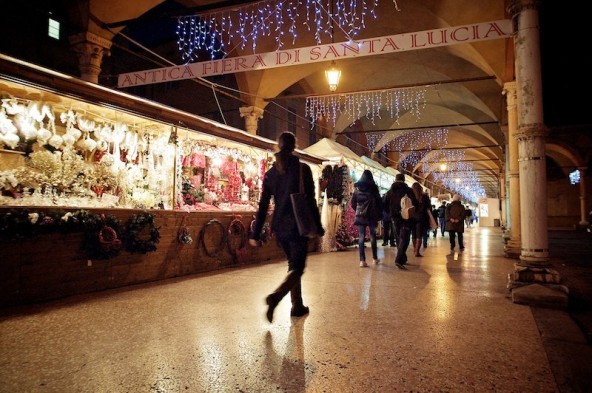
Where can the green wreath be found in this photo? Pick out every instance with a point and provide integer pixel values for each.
(223, 237)
(134, 236)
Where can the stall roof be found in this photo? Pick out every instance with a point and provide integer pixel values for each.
(333, 151)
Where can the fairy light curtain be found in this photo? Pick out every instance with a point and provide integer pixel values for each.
(370, 104)
(458, 176)
(284, 20)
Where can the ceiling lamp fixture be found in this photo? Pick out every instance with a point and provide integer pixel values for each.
(333, 74)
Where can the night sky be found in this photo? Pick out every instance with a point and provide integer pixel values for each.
(566, 65)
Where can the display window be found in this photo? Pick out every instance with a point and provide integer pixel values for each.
(59, 151)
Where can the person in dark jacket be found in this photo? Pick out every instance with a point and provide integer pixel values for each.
(367, 204)
(388, 236)
(402, 227)
(442, 217)
(422, 221)
(435, 215)
(281, 180)
(455, 222)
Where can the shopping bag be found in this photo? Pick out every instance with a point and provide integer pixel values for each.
(305, 220)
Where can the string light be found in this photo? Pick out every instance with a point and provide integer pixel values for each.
(395, 102)
(458, 176)
(269, 18)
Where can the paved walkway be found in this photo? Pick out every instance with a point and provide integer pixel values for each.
(444, 325)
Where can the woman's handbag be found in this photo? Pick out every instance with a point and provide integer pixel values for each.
(305, 220)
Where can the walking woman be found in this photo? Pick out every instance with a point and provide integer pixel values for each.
(281, 180)
(422, 221)
(367, 204)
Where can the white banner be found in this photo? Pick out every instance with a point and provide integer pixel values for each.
(337, 51)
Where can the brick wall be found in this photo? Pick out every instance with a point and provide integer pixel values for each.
(53, 266)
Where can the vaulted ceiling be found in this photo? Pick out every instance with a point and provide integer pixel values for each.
(462, 85)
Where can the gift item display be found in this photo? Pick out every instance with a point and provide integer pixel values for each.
(215, 177)
(57, 151)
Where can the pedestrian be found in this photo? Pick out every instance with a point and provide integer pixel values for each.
(435, 215)
(442, 217)
(388, 236)
(281, 180)
(403, 226)
(422, 221)
(468, 216)
(455, 222)
(367, 204)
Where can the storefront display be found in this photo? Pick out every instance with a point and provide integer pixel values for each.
(62, 152)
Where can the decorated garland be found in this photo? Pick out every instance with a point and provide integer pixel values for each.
(184, 236)
(220, 246)
(134, 230)
(236, 228)
(265, 232)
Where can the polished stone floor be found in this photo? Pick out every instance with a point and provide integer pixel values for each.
(444, 325)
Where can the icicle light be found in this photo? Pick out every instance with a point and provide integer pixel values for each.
(280, 19)
(370, 104)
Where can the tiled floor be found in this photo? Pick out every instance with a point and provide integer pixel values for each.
(444, 325)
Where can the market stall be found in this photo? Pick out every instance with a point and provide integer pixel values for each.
(101, 189)
(341, 170)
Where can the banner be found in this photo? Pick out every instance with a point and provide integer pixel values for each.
(321, 53)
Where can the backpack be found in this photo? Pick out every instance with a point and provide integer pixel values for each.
(369, 211)
(407, 208)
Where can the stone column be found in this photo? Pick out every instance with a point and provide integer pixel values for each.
(513, 244)
(90, 49)
(533, 281)
(252, 114)
(502, 183)
(583, 208)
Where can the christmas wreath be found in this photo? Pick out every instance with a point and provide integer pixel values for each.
(136, 239)
(222, 232)
(101, 240)
(237, 230)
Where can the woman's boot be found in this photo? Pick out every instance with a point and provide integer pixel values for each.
(272, 300)
(298, 307)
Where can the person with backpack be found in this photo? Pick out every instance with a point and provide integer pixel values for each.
(442, 217)
(455, 222)
(367, 204)
(402, 222)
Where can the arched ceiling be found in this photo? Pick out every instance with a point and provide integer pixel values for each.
(463, 83)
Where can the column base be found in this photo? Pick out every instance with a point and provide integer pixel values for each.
(506, 237)
(538, 286)
(512, 249)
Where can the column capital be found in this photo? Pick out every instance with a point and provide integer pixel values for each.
(517, 6)
(90, 49)
(511, 92)
(252, 114)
